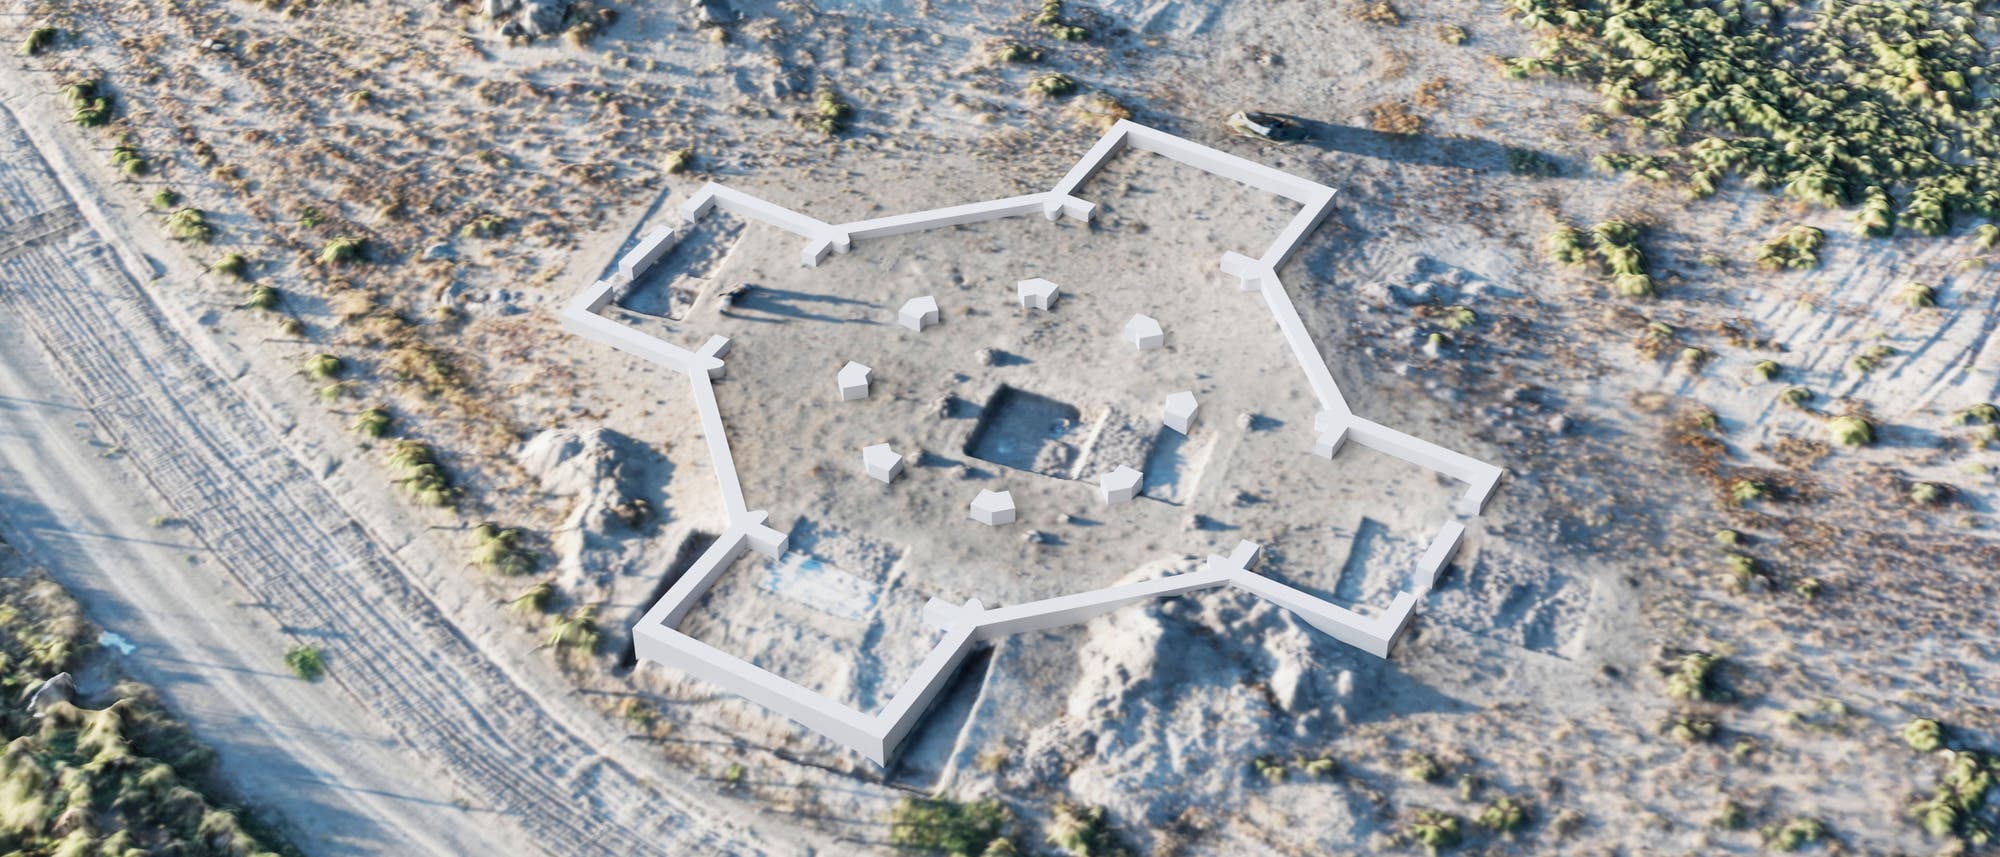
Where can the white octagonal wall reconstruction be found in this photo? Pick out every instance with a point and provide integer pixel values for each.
(961, 627)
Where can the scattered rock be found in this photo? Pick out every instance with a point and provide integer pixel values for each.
(60, 688)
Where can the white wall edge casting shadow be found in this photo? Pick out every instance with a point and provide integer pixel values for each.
(963, 627)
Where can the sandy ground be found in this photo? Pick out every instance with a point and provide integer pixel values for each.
(259, 553)
(1531, 670)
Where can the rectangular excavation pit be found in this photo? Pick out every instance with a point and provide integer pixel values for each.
(1173, 466)
(1026, 431)
(672, 285)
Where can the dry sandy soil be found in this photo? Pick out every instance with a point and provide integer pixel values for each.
(1534, 671)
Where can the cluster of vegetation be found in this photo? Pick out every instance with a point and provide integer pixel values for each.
(121, 781)
(39, 39)
(1273, 770)
(374, 422)
(1835, 102)
(503, 550)
(1377, 12)
(943, 826)
(1083, 831)
(483, 226)
(1956, 808)
(1528, 162)
(1851, 430)
(234, 266)
(1691, 677)
(342, 250)
(1052, 19)
(1796, 248)
(306, 662)
(89, 105)
(1015, 52)
(1614, 244)
(128, 160)
(189, 224)
(1052, 84)
(419, 472)
(829, 114)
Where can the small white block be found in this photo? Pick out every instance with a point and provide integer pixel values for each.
(1038, 293)
(881, 462)
(1180, 411)
(993, 508)
(919, 313)
(853, 381)
(1120, 485)
(1144, 332)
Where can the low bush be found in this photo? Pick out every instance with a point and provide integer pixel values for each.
(306, 662)
(940, 825)
(1796, 248)
(1851, 430)
(38, 40)
(233, 265)
(374, 422)
(342, 250)
(324, 367)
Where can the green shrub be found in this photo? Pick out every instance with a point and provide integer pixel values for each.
(166, 197)
(421, 474)
(1434, 829)
(1851, 430)
(502, 549)
(1565, 246)
(188, 224)
(339, 390)
(1918, 296)
(1504, 816)
(1080, 831)
(939, 825)
(129, 161)
(1765, 370)
(291, 326)
(1870, 360)
(1052, 85)
(1980, 414)
(1742, 491)
(374, 422)
(342, 250)
(1729, 815)
(1924, 735)
(234, 265)
(1421, 767)
(1795, 396)
(306, 662)
(1793, 834)
(1743, 566)
(483, 226)
(261, 297)
(1528, 162)
(576, 631)
(1691, 676)
(535, 599)
(1052, 19)
(1986, 236)
(1270, 769)
(38, 40)
(830, 113)
(1015, 52)
(89, 106)
(679, 161)
(1928, 493)
(1796, 248)
(324, 366)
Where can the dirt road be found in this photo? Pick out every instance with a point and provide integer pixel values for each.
(417, 742)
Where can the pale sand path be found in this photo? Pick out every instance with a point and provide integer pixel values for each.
(417, 742)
